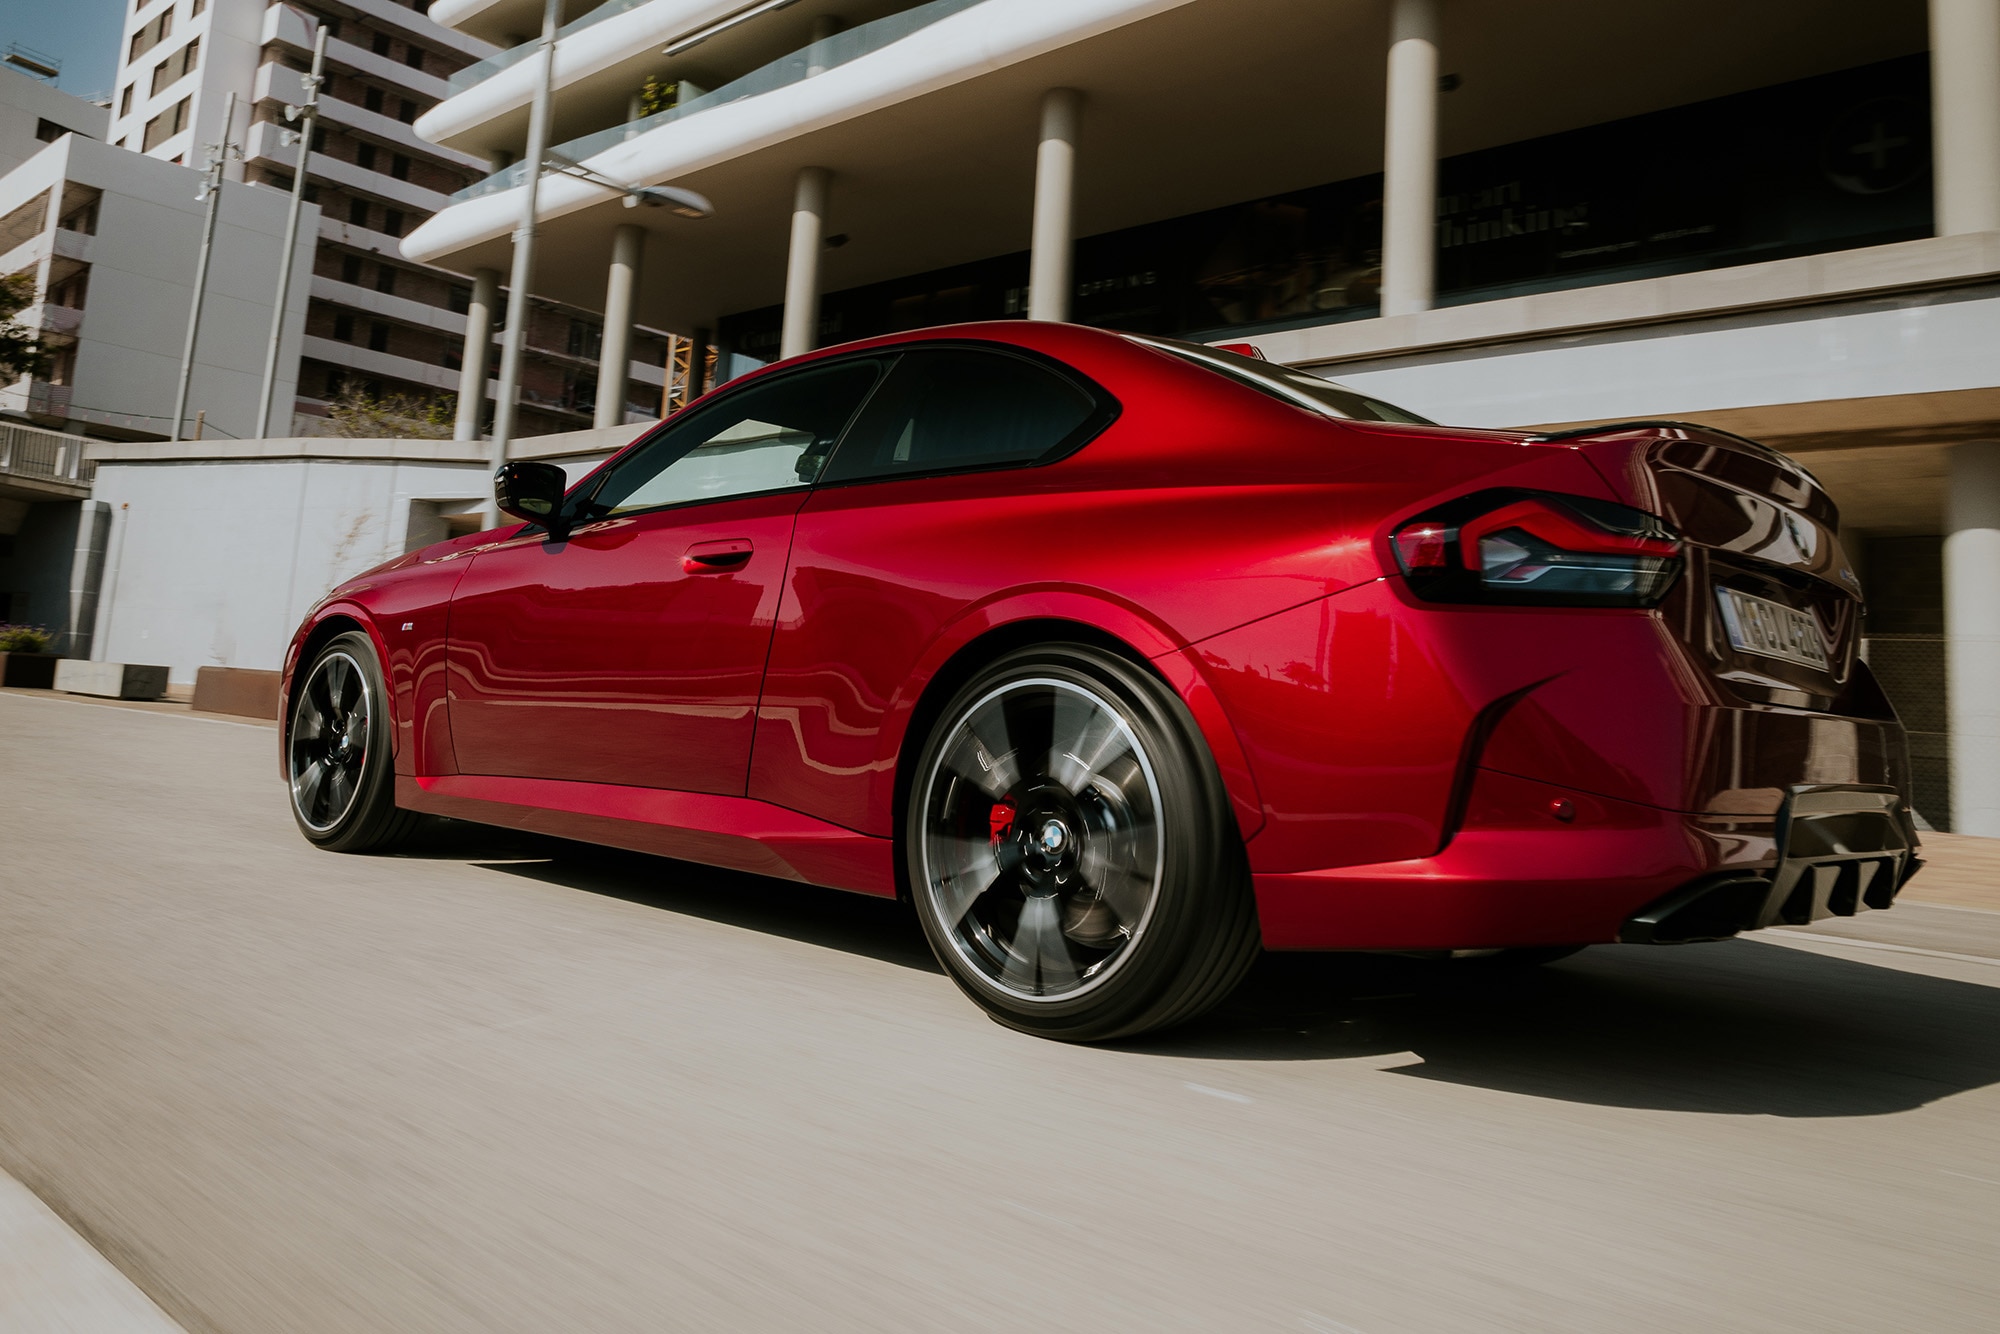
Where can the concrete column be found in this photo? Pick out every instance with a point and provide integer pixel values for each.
(1049, 255)
(819, 56)
(614, 361)
(1409, 159)
(801, 325)
(1965, 114)
(478, 354)
(1972, 635)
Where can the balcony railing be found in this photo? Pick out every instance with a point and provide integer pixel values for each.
(817, 58)
(45, 456)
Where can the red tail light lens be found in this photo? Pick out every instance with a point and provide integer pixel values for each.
(1538, 548)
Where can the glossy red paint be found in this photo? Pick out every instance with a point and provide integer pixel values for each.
(618, 656)
(738, 682)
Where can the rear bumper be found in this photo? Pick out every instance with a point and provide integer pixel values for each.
(1538, 864)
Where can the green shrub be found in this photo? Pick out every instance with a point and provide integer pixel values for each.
(24, 639)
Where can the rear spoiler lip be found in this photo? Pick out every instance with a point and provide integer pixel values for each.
(1613, 428)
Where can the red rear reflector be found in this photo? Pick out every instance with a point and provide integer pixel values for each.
(1423, 546)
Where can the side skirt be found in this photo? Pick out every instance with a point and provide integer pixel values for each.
(734, 832)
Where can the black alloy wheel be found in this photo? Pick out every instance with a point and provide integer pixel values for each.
(337, 751)
(1071, 851)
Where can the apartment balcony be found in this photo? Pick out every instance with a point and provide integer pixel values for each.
(46, 245)
(414, 23)
(359, 238)
(285, 26)
(41, 464)
(50, 320)
(388, 306)
(277, 82)
(604, 56)
(504, 22)
(264, 145)
(369, 362)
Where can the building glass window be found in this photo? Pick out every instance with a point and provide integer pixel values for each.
(392, 221)
(125, 101)
(343, 326)
(381, 44)
(350, 268)
(385, 279)
(378, 337)
(165, 126)
(371, 98)
(399, 167)
(364, 156)
(357, 212)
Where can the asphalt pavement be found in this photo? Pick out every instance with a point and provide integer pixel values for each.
(507, 1085)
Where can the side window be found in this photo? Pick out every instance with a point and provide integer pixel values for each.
(951, 408)
(767, 437)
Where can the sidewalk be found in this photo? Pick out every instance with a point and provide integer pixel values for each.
(1960, 871)
(53, 1282)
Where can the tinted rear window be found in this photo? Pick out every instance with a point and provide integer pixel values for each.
(953, 408)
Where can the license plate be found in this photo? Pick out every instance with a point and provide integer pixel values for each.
(1771, 629)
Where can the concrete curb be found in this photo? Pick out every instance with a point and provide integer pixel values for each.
(52, 1281)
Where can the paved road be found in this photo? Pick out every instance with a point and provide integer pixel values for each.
(501, 1087)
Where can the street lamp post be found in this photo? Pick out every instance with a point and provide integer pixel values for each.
(219, 152)
(305, 114)
(516, 336)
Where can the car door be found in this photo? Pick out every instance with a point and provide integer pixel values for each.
(932, 497)
(632, 649)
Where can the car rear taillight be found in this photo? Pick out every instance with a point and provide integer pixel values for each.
(1536, 547)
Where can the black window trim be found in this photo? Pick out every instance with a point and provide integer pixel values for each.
(1105, 409)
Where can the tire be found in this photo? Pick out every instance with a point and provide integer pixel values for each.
(1071, 852)
(340, 770)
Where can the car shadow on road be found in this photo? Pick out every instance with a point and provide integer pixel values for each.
(855, 923)
(1738, 1027)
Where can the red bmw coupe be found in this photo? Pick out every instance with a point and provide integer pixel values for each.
(1122, 659)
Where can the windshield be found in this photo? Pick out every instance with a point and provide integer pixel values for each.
(1295, 387)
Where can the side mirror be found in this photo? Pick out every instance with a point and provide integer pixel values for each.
(532, 490)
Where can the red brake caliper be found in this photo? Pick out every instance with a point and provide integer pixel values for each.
(1000, 820)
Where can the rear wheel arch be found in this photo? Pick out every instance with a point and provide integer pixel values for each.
(966, 662)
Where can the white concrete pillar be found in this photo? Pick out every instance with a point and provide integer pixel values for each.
(1053, 243)
(1972, 635)
(819, 56)
(1409, 159)
(478, 354)
(614, 360)
(801, 326)
(1965, 115)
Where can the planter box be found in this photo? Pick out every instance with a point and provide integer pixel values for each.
(28, 671)
(243, 691)
(111, 680)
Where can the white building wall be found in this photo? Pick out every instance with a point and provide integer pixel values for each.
(142, 261)
(26, 102)
(213, 564)
(1914, 343)
(212, 561)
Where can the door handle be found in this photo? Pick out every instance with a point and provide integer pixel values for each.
(717, 557)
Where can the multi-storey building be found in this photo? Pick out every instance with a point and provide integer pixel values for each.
(377, 321)
(1781, 218)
